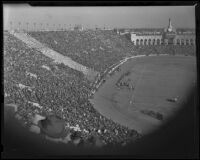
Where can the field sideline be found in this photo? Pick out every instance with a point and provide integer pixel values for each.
(155, 78)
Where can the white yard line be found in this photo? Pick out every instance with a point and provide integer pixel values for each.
(136, 84)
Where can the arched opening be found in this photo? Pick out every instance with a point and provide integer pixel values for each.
(158, 41)
(182, 41)
(192, 42)
(137, 42)
(178, 42)
(153, 42)
(174, 41)
(141, 42)
(145, 42)
(187, 41)
(149, 42)
(166, 41)
(162, 41)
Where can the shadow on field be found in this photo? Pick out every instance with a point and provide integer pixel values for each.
(179, 138)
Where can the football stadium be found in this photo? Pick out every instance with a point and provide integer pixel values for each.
(95, 87)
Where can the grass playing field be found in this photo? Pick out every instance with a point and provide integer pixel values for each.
(155, 79)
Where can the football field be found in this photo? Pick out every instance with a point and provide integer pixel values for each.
(155, 79)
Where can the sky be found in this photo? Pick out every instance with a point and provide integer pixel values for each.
(110, 17)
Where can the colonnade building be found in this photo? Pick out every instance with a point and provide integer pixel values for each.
(170, 35)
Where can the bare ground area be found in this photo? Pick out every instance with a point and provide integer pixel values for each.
(155, 79)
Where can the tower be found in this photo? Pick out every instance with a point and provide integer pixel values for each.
(170, 28)
(169, 34)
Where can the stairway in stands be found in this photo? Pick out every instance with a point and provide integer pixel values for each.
(58, 58)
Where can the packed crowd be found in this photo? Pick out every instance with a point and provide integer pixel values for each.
(94, 49)
(100, 49)
(37, 85)
(166, 49)
(185, 50)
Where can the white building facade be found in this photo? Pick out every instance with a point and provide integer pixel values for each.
(165, 37)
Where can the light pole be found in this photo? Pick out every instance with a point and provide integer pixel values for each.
(54, 28)
(34, 26)
(19, 23)
(59, 26)
(41, 26)
(27, 25)
(11, 25)
(47, 26)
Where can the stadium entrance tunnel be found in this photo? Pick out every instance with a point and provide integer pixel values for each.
(144, 107)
